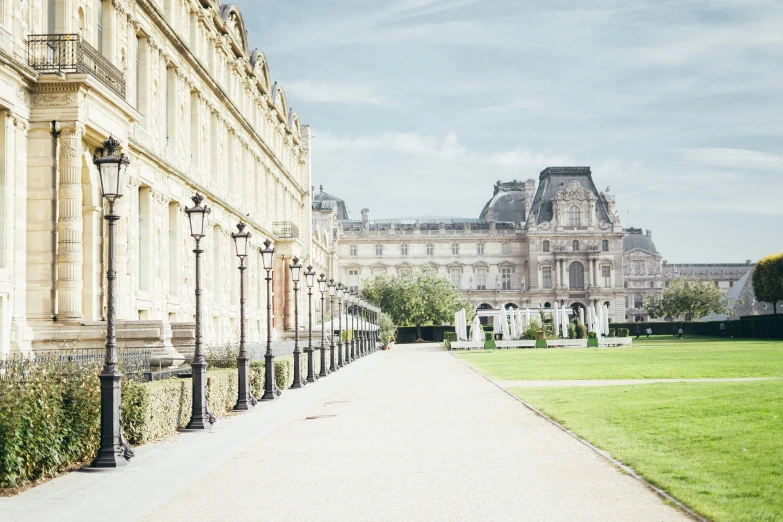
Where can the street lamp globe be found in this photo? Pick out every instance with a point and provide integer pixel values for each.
(241, 240)
(112, 170)
(340, 290)
(197, 217)
(267, 254)
(296, 270)
(310, 276)
(322, 284)
(332, 287)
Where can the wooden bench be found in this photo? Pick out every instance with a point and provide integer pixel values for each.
(516, 343)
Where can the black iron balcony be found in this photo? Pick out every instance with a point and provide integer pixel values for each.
(70, 53)
(285, 230)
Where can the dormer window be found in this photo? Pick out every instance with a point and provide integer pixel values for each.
(574, 216)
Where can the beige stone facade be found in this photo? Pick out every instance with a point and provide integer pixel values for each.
(196, 111)
(534, 244)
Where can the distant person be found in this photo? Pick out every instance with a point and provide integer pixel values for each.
(680, 332)
(674, 331)
(722, 330)
(638, 332)
(648, 332)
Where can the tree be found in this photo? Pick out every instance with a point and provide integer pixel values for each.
(415, 299)
(768, 280)
(689, 297)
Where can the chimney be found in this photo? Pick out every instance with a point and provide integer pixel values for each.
(365, 215)
(322, 189)
(649, 233)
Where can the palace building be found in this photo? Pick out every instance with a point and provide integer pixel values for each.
(195, 110)
(558, 240)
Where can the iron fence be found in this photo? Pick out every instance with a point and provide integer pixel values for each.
(134, 363)
(70, 53)
(285, 230)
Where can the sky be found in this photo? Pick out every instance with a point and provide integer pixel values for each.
(418, 107)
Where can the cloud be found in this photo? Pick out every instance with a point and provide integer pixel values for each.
(746, 160)
(409, 143)
(346, 94)
(529, 161)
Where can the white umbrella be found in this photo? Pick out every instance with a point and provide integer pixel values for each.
(599, 324)
(556, 319)
(514, 332)
(606, 321)
(503, 324)
(565, 322)
(581, 315)
(590, 314)
(457, 329)
(520, 323)
(527, 318)
(476, 332)
(464, 323)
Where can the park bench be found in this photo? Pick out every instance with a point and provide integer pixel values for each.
(566, 343)
(467, 345)
(516, 343)
(615, 341)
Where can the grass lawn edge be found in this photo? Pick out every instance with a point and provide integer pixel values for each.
(663, 494)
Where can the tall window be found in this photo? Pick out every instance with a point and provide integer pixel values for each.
(145, 238)
(170, 103)
(216, 268)
(174, 266)
(605, 245)
(506, 249)
(576, 276)
(353, 280)
(574, 218)
(353, 250)
(378, 249)
(546, 274)
(404, 249)
(606, 275)
(137, 71)
(638, 268)
(195, 124)
(481, 279)
(505, 278)
(456, 276)
(638, 301)
(99, 25)
(652, 284)
(546, 246)
(575, 245)
(480, 249)
(455, 249)
(430, 249)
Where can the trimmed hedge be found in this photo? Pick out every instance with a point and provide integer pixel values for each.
(754, 326)
(50, 423)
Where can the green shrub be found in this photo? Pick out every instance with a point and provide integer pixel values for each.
(489, 336)
(591, 335)
(449, 336)
(611, 332)
(571, 331)
(622, 332)
(581, 331)
(540, 336)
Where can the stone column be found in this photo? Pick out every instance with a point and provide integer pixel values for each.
(590, 272)
(556, 273)
(596, 275)
(122, 289)
(21, 333)
(70, 225)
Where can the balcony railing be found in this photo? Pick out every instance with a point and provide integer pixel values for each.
(285, 230)
(70, 53)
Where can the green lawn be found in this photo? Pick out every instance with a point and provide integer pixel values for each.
(660, 357)
(718, 447)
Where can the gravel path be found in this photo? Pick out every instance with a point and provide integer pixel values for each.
(617, 382)
(416, 435)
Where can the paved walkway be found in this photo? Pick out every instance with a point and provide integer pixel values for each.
(617, 382)
(409, 434)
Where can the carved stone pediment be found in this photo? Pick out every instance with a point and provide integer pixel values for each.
(575, 192)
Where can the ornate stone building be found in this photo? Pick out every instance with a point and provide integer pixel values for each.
(534, 244)
(196, 111)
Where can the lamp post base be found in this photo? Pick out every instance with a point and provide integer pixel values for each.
(200, 416)
(243, 396)
(269, 378)
(324, 372)
(112, 442)
(298, 382)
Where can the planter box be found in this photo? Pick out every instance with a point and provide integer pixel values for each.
(567, 343)
(517, 343)
(540, 343)
(467, 345)
(592, 342)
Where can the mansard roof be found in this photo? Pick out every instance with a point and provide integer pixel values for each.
(554, 179)
(636, 239)
(508, 202)
(325, 201)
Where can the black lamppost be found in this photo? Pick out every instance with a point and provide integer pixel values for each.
(340, 290)
(112, 170)
(354, 331)
(268, 257)
(244, 396)
(360, 318)
(197, 215)
(310, 278)
(332, 290)
(322, 289)
(296, 273)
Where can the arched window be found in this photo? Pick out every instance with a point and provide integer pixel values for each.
(546, 246)
(576, 275)
(575, 245)
(605, 245)
(547, 305)
(638, 301)
(574, 216)
(625, 284)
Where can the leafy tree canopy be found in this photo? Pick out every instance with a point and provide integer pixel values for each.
(691, 298)
(415, 299)
(768, 279)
